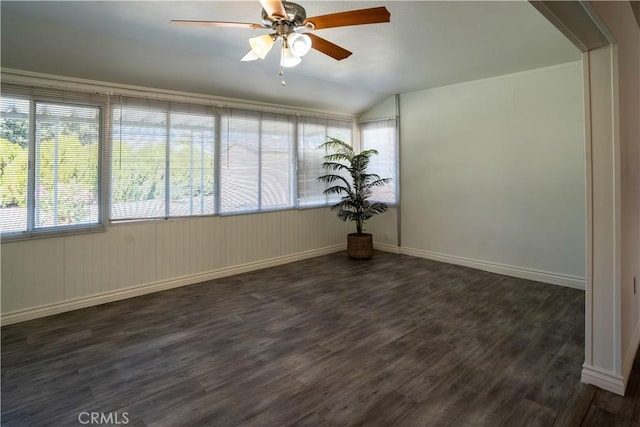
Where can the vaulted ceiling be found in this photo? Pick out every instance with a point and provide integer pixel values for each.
(426, 44)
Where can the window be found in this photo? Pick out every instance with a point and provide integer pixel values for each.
(312, 133)
(216, 160)
(165, 159)
(162, 161)
(62, 188)
(192, 165)
(381, 136)
(240, 162)
(278, 161)
(138, 163)
(14, 161)
(257, 162)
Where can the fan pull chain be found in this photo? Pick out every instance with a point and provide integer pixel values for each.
(281, 72)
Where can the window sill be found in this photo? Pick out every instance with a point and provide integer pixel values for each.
(49, 233)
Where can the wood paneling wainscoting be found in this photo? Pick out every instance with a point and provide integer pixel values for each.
(396, 340)
(51, 275)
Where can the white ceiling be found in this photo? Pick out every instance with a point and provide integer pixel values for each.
(426, 44)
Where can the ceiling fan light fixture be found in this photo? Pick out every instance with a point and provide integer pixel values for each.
(250, 56)
(299, 44)
(261, 45)
(285, 18)
(288, 59)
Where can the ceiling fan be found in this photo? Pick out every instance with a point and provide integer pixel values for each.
(289, 21)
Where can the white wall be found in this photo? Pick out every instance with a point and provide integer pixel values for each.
(384, 228)
(493, 174)
(627, 34)
(613, 307)
(51, 275)
(619, 18)
(382, 111)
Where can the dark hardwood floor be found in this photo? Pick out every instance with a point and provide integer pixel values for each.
(323, 342)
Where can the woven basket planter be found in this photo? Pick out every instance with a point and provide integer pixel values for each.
(360, 246)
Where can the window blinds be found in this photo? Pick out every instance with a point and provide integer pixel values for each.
(162, 161)
(51, 169)
(161, 158)
(312, 133)
(381, 136)
(216, 160)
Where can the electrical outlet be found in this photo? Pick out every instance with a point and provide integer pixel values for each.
(386, 236)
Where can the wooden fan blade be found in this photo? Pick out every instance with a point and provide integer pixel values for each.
(274, 8)
(328, 48)
(217, 24)
(353, 17)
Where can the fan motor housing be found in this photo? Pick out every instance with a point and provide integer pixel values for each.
(295, 15)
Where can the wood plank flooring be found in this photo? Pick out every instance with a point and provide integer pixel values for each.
(329, 341)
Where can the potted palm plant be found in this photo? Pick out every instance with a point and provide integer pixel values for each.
(347, 176)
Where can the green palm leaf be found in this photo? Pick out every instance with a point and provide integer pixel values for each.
(348, 177)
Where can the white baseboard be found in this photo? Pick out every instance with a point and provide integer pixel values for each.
(605, 380)
(61, 307)
(75, 304)
(507, 270)
(627, 364)
(386, 247)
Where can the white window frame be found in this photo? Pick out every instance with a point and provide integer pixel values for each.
(80, 100)
(100, 95)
